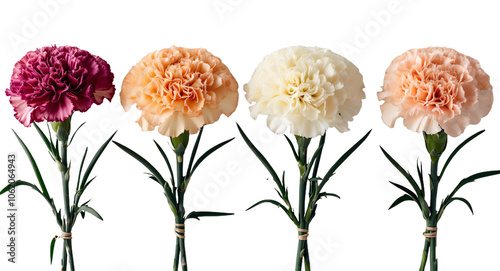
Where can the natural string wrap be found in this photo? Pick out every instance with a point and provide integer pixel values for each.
(432, 234)
(180, 232)
(303, 237)
(65, 235)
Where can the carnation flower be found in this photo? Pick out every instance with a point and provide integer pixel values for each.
(179, 89)
(52, 82)
(435, 88)
(308, 89)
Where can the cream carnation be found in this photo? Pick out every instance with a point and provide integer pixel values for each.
(179, 89)
(435, 88)
(308, 89)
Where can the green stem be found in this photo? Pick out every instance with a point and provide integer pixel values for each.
(307, 263)
(69, 247)
(64, 260)
(303, 225)
(182, 248)
(425, 253)
(177, 252)
(65, 183)
(180, 218)
(433, 220)
(302, 246)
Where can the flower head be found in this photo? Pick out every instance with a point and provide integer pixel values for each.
(435, 88)
(52, 82)
(308, 89)
(179, 89)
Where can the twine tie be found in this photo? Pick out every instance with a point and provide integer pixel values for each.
(303, 237)
(432, 234)
(180, 232)
(65, 236)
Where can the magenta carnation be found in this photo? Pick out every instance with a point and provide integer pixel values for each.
(52, 82)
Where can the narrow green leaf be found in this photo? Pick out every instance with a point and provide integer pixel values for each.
(315, 179)
(59, 217)
(52, 244)
(406, 174)
(48, 144)
(292, 147)
(152, 177)
(34, 165)
(324, 194)
(193, 153)
(71, 140)
(283, 180)
(20, 183)
(172, 207)
(170, 197)
(90, 210)
(449, 200)
(267, 201)
(316, 165)
(56, 144)
(143, 161)
(464, 201)
(262, 159)
(154, 171)
(34, 187)
(341, 160)
(315, 156)
(401, 199)
(94, 160)
(422, 204)
(87, 184)
(85, 203)
(314, 193)
(473, 178)
(408, 192)
(421, 178)
(166, 161)
(206, 154)
(287, 212)
(197, 215)
(81, 167)
(54, 147)
(313, 198)
(457, 149)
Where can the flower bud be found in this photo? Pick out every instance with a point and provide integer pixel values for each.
(62, 129)
(436, 144)
(180, 143)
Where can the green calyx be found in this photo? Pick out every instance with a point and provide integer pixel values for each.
(180, 143)
(303, 144)
(62, 129)
(436, 144)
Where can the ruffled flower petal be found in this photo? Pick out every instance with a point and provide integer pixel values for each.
(306, 89)
(179, 89)
(421, 122)
(52, 82)
(435, 88)
(178, 123)
(23, 111)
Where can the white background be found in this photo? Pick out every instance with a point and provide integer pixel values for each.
(354, 233)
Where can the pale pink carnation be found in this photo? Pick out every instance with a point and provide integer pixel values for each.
(435, 88)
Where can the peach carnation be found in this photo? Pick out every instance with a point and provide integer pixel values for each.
(435, 88)
(179, 89)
